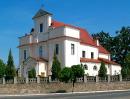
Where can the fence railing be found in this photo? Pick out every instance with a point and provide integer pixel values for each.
(85, 79)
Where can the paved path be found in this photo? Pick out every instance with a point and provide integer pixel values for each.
(106, 95)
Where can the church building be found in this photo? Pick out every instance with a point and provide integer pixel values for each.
(72, 45)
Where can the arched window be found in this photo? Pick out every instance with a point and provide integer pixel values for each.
(85, 67)
(95, 67)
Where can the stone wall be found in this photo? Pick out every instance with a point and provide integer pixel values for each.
(60, 87)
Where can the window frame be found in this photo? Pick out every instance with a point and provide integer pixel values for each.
(72, 49)
(83, 54)
(85, 67)
(40, 51)
(92, 55)
(57, 49)
(95, 68)
(25, 54)
(41, 27)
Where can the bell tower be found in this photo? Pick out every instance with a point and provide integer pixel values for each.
(42, 21)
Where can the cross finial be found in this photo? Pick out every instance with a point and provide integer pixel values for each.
(42, 6)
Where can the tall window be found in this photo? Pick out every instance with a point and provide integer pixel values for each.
(41, 27)
(83, 54)
(92, 55)
(25, 54)
(40, 51)
(72, 49)
(57, 49)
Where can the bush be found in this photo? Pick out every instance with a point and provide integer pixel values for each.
(32, 73)
(66, 74)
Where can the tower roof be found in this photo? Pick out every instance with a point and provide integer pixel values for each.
(40, 13)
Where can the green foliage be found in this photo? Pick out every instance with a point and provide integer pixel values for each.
(103, 70)
(2, 68)
(56, 68)
(118, 46)
(66, 74)
(32, 73)
(77, 72)
(10, 68)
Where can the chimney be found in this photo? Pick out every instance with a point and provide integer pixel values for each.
(97, 41)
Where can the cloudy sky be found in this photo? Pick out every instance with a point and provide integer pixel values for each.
(93, 15)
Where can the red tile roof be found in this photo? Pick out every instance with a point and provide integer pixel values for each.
(98, 61)
(89, 60)
(85, 38)
(108, 61)
(103, 50)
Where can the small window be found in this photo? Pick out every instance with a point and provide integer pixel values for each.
(41, 27)
(83, 54)
(25, 54)
(85, 67)
(57, 49)
(95, 68)
(92, 55)
(40, 51)
(72, 49)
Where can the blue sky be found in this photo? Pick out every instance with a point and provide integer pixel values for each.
(93, 15)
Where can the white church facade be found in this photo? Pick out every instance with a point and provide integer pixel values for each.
(72, 45)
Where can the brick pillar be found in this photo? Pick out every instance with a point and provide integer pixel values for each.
(38, 79)
(97, 78)
(85, 78)
(109, 79)
(15, 80)
(4, 80)
(27, 80)
(120, 78)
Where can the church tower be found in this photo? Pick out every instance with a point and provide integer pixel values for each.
(42, 21)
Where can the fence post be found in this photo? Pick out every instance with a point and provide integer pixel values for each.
(97, 78)
(15, 80)
(49, 78)
(85, 78)
(27, 80)
(120, 77)
(109, 79)
(38, 79)
(4, 80)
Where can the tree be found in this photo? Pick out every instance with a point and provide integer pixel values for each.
(103, 70)
(66, 74)
(104, 38)
(32, 73)
(2, 68)
(118, 46)
(125, 71)
(77, 72)
(10, 68)
(56, 68)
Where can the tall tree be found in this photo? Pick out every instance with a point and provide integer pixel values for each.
(56, 68)
(2, 68)
(10, 68)
(103, 70)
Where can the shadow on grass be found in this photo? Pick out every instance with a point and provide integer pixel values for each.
(59, 91)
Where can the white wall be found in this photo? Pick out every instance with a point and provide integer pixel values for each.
(69, 58)
(102, 55)
(71, 32)
(116, 69)
(91, 71)
(88, 49)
